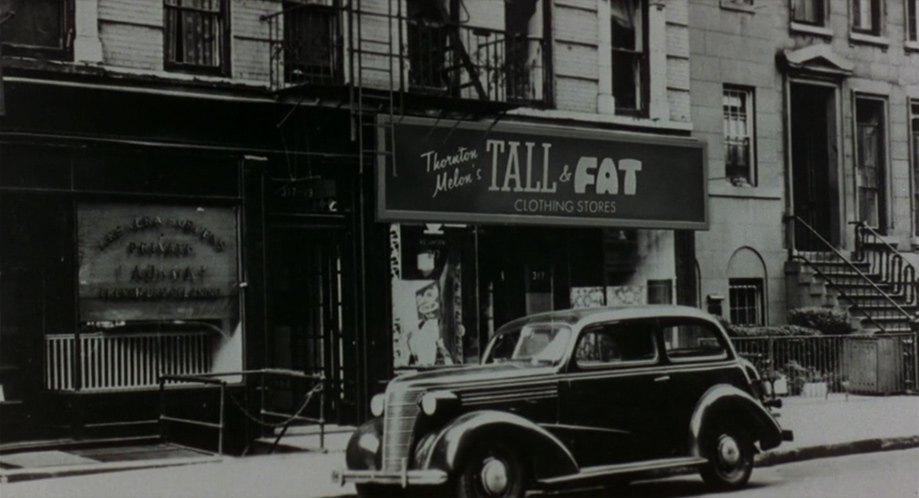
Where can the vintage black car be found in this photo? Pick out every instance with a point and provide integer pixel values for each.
(576, 397)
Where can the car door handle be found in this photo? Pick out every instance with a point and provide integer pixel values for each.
(662, 378)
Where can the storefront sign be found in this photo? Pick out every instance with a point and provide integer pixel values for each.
(528, 174)
(150, 262)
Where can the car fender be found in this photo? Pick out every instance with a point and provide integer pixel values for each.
(727, 398)
(364, 450)
(446, 448)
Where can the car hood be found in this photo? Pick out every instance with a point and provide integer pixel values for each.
(464, 377)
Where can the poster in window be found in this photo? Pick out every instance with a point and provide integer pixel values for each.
(157, 262)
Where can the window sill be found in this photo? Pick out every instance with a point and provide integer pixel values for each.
(737, 6)
(603, 118)
(879, 41)
(911, 45)
(809, 29)
(720, 187)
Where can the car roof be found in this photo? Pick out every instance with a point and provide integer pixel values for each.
(584, 316)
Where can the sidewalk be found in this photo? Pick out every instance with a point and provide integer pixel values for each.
(822, 427)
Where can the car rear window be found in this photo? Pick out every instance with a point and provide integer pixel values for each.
(685, 341)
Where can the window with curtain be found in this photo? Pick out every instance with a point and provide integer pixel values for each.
(739, 156)
(629, 56)
(870, 161)
(196, 35)
(867, 16)
(808, 12)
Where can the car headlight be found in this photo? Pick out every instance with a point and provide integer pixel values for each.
(430, 402)
(378, 405)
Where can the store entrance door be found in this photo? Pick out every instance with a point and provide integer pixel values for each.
(308, 310)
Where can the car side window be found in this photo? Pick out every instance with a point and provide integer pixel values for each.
(689, 340)
(616, 343)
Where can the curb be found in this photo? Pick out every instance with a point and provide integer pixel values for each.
(28, 474)
(838, 449)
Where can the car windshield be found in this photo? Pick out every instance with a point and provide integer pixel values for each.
(534, 344)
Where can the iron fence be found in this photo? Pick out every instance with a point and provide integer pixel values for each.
(820, 365)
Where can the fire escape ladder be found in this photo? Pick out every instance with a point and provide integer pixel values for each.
(459, 48)
(887, 305)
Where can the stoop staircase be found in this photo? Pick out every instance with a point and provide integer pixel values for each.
(875, 284)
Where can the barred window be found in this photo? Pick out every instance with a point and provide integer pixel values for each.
(808, 12)
(738, 135)
(746, 301)
(39, 27)
(196, 35)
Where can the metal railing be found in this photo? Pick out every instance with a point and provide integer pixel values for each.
(885, 260)
(865, 293)
(820, 365)
(269, 415)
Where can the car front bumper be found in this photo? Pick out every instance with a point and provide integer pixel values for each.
(405, 478)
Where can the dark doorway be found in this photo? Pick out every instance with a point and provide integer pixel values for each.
(308, 310)
(813, 166)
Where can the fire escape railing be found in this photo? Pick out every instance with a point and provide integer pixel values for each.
(887, 261)
(861, 292)
(438, 57)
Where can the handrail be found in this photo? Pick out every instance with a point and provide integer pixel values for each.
(827, 245)
(898, 270)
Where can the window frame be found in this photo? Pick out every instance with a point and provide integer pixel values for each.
(911, 26)
(884, 221)
(223, 67)
(654, 329)
(643, 92)
(749, 101)
(878, 15)
(913, 134)
(823, 8)
(64, 52)
(760, 308)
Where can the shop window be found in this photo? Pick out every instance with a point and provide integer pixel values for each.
(686, 340)
(914, 132)
(196, 35)
(660, 291)
(867, 17)
(433, 283)
(746, 301)
(870, 163)
(912, 20)
(158, 293)
(739, 150)
(811, 12)
(629, 55)
(39, 27)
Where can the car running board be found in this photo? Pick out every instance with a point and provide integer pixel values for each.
(623, 468)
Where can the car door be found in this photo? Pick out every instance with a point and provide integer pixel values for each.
(698, 357)
(612, 400)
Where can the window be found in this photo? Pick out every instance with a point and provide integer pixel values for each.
(687, 340)
(746, 301)
(867, 16)
(811, 12)
(739, 154)
(40, 26)
(624, 342)
(914, 132)
(311, 41)
(912, 20)
(740, 4)
(870, 164)
(628, 55)
(196, 35)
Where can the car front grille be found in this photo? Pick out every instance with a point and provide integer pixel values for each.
(398, 424)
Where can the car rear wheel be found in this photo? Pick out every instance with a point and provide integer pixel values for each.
(730, 458)
(495, 471)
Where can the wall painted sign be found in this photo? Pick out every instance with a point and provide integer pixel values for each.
(541, 175)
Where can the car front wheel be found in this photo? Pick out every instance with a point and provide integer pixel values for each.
(730, 458)
(495, 471)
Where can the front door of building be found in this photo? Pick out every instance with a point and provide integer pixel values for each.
(813, 166)
(308, 310)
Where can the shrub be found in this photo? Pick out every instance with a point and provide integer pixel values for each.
(771, 331)
(827, 320)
